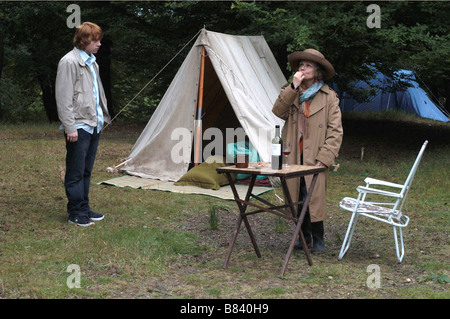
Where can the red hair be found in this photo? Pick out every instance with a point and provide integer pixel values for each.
(85, 34)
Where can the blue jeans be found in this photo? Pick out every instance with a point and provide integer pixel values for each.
(80, 159)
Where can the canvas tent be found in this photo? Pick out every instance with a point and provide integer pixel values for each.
(226, 81)
(411, 100)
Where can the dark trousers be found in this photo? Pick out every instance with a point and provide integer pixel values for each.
(80, 159)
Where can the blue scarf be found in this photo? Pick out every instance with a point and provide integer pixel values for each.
(310, 92)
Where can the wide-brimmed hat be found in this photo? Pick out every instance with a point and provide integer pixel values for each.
(314, 56)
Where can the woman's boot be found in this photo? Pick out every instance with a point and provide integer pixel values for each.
(317, 235)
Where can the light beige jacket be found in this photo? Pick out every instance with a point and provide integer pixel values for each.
(74, 94)
(323, 142)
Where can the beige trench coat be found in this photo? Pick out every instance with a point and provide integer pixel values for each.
(321, 144)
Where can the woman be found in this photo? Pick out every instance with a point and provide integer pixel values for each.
(313, 128)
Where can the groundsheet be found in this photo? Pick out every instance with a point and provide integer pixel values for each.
(224, 192)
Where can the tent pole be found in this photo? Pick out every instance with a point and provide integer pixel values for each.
(198, 132)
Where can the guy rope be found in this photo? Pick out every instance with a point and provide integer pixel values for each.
(148, 83)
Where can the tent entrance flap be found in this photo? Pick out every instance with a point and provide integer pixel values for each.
(216, 112)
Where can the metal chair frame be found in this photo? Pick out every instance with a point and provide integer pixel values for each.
(389, 212)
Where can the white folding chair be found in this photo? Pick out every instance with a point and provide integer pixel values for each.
(389, 211)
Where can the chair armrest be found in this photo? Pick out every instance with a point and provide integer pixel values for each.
(369, 190)
(373, 181)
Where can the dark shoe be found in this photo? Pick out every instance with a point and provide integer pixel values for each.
(298, 244)
(83, 221)
(306, 230)
(317, 234)
(95, 216)
(318, 247)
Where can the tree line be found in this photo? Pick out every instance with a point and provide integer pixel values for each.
(141, 37)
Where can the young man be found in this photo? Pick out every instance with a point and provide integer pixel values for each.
(82, 110)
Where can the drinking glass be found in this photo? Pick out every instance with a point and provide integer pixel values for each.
(286, 152)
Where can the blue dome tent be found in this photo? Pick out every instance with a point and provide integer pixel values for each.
(413, 99)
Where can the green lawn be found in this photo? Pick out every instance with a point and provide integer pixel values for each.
(164, 245)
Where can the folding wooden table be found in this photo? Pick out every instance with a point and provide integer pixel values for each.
(255, 169)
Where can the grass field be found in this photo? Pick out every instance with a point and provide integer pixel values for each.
(163, 245)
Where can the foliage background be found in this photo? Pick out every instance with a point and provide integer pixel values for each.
(142, 36)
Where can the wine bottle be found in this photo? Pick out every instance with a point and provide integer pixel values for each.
(277, 142)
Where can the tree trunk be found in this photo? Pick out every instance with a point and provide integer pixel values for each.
(447, 97)
(47, 83)
(104, 63)
(2, 56)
